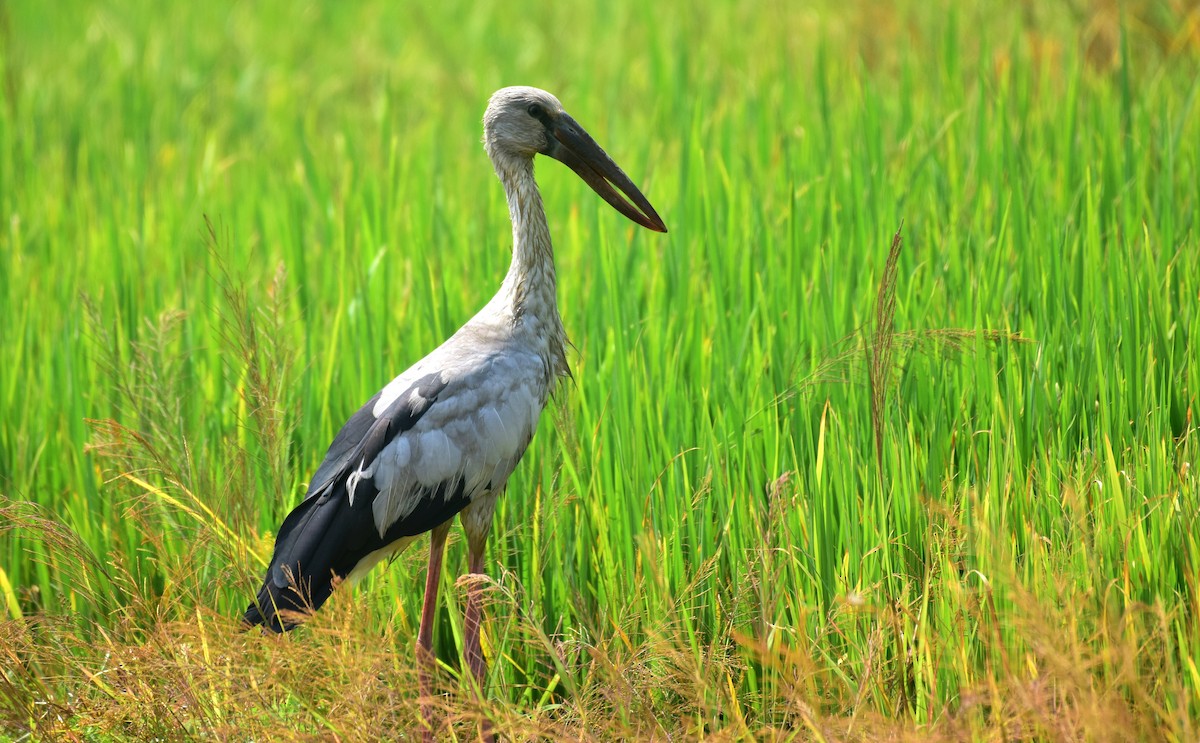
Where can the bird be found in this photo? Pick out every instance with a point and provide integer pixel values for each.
(441, 439)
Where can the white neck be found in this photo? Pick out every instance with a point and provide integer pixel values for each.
(530, 290)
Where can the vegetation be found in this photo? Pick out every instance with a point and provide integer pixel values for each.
(810, 482)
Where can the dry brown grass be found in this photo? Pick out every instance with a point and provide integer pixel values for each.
(191, 674)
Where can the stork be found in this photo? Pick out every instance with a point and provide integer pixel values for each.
(442, 438)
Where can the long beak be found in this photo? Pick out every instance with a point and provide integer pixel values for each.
(578, 151)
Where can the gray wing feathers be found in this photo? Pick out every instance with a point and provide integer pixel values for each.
(328, 534)
(364, 435)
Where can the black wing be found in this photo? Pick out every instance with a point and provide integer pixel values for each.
(324, 537)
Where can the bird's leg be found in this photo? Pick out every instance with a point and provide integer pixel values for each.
(472, 649)
(425, 657)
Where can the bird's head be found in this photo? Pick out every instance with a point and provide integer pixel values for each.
(521, 122)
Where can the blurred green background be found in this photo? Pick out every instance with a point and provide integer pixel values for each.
(703, 504)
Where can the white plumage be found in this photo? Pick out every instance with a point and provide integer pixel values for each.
(443, 437)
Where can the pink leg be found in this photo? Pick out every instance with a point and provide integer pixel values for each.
(425, 656)
(472, 648)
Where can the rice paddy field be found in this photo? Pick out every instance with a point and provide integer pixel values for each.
(893, 436)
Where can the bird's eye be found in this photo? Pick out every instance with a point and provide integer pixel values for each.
(536, 111)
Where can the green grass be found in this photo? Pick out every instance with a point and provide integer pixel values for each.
(701, 541)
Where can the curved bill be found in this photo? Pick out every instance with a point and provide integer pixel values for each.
(579, 152)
